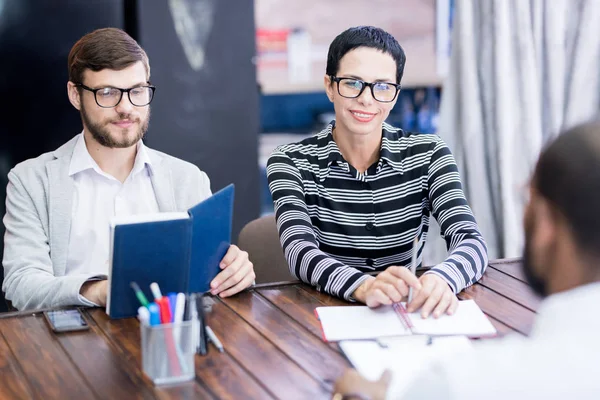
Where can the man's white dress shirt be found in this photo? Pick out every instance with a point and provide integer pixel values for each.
(96, 199)
(559, 360)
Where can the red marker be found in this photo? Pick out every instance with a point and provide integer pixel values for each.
(165, 310)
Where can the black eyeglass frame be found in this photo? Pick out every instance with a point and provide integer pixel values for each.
(364, 85)
(152, 87)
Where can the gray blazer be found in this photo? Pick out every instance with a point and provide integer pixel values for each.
(39, 199)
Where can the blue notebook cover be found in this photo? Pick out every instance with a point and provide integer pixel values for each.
(211, 238)
(181, 255)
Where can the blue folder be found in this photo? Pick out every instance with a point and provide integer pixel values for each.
(181, 253)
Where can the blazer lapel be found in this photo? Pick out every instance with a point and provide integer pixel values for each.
(60, 203)
(162, 184)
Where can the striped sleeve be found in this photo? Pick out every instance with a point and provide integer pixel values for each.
(467, 251)
(306, 261)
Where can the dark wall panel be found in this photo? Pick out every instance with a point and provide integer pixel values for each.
(35, 39)
(206, 105)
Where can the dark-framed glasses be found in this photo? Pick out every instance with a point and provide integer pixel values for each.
(351, 88)
(108, 97)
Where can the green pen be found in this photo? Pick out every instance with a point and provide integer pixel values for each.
(139, 294)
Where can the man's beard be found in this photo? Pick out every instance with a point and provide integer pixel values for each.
(101, 133)
(538, 285)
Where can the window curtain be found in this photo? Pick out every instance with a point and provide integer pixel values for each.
(520, 72)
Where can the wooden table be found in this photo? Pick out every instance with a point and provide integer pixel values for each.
(273, 346)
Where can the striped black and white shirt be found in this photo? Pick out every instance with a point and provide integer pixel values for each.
(336, 223)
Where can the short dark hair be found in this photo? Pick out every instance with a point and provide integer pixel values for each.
(365, 36)
(568, 176)
(105, 48)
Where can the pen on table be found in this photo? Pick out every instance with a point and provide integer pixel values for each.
(139, 294)
(413, 266)
(155, 291)
(213, 338)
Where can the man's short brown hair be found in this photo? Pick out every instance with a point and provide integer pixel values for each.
(105, 48)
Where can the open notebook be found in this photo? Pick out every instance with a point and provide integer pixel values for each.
(179, 251)
(361, 322)
(406, 357)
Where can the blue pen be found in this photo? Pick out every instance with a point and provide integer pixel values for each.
(154, 314)
(173, 303)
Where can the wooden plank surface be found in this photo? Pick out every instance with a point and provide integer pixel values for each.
(510, 267)
(272, 340)
(302, 347)
(261, 358)
(297, 303)
(102, 366)
(325, 299)
(501, 308)
(124, 336)
(47, 368)
(13, 383)
(510, 287)
(222, 371)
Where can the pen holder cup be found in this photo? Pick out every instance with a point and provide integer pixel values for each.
(168, 351)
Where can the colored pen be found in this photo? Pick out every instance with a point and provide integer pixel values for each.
(191, 314)
(155, 291)
(213, 338)
(144, 315)
(165, 310)
(154, 314)
(139, 294)
(413, 266)
(202, 344)
(191, 311)
(172, 303)
(179, 308)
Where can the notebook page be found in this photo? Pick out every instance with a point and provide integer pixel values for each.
(406, 357)
(468, 320)
(359, 322)
(148, 217)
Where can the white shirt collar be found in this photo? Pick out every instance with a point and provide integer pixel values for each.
(576, 307)
(82, 160)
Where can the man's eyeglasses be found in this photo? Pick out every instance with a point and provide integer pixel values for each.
(351, 88)
(108, 97)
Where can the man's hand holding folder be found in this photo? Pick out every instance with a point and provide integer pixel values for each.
(188, 252)
(236, 275)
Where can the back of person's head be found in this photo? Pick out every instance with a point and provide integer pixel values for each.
(365, 36)
(567, 175)
(107, 48)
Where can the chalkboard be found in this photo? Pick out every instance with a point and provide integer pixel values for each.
(206, 106)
